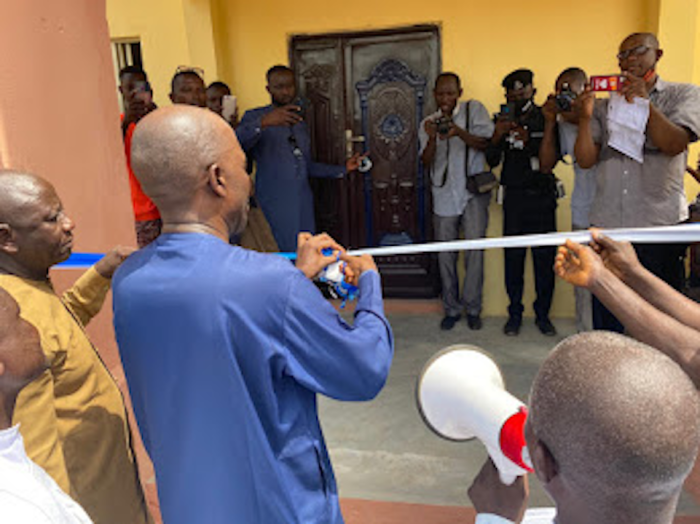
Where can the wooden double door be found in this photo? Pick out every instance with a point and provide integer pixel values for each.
(369, 92)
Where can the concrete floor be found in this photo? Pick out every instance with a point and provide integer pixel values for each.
(382, 451)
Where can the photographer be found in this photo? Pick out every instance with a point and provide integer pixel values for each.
(529, 205)
(452, 143)
(561, 116)
(277, 139)
(137, 98)
(632, 193)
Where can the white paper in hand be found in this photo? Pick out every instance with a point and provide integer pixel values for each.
(627, 123)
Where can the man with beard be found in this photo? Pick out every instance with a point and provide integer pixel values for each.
(277, 139)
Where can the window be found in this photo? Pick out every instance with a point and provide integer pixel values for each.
(125, 51)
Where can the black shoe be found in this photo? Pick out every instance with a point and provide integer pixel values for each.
(512, 327)
(449, 322)
(474, 322)
(546, 327)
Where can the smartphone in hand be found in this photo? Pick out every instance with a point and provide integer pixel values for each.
(607, 82)
(228, 106)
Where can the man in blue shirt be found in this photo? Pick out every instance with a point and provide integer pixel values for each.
(277, 139)
(225, 349)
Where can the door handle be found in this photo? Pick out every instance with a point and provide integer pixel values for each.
(350, 142)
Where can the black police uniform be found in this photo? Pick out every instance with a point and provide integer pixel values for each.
(529, 207)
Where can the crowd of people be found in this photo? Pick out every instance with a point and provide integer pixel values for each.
(614, 423)
(611, 189)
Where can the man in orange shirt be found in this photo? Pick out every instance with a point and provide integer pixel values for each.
(138, 101)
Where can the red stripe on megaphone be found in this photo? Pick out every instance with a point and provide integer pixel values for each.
(512, 438)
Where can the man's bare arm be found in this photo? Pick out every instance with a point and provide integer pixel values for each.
(622, 260)
(581, 266)
(586, 150)
(650, 325)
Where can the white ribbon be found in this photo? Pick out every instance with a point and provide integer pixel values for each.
(682, 234)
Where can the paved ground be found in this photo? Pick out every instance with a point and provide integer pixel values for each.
(381, 450)
(390, 468)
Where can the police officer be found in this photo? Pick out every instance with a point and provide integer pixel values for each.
(529, 200)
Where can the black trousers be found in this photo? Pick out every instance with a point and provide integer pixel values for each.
(663, 260)
(528, 212)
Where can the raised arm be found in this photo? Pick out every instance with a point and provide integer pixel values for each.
(671, 137)
(581, 266)
(586, 150)
(621, 259)
(86, 297)
(325, 353)
(548, 147)
(329, 356)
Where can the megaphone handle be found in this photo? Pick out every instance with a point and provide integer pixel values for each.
(507, 479)
(507, 471)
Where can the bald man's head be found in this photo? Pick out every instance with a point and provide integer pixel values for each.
(621, 420)
(35, 233)
(180, 154)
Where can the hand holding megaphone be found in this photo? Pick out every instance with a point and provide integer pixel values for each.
(461, 395)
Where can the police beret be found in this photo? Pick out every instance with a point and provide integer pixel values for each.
(518, 79)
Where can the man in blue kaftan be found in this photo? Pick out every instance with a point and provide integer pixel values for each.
(277, 139)
(225, 349)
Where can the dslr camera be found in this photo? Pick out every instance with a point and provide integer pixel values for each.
(565, 99)
(443, 125)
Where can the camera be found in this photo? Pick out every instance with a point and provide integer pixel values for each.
(443, 125)
(565, 99)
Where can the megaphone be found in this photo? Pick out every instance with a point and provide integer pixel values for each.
(461, 395)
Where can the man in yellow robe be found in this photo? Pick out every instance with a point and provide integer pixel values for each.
(72, 418)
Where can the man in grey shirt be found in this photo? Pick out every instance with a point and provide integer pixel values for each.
(560, 131)
(651, 193)
(452, 143)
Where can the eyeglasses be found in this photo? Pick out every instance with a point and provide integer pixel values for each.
(188, 69)
(636, 51)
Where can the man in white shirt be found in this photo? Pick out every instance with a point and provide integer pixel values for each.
(27, 494)
(560, 132)
(452, 142)
(613, 431)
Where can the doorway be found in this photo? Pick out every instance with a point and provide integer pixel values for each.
(368, 91)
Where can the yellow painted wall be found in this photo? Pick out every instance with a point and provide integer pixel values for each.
(172, 33)
(679, 34)
(481, 41)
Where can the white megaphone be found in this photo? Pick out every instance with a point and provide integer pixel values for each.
(461, 396)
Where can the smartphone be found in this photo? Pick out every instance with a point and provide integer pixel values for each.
(607, 82)
(228, 106)
(508, 111)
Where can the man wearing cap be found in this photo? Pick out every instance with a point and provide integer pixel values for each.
(529, 204)
(650, 192)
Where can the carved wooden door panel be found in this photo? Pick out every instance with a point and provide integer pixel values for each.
(380, 83)
(318, 68)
